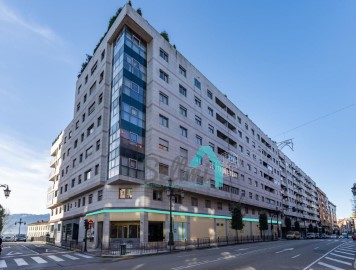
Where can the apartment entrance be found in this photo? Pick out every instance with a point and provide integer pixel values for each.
(155, 231)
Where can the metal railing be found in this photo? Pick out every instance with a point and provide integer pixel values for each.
(72, 245)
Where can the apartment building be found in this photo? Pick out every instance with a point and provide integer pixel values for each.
(299, 194)
(142, 113)
(332, 216)
(324, 211)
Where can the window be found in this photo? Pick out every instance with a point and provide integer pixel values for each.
(76, 143)
(97, 145)
(80, 157)
(163, 98)
(94, 67)
(247, 139)
(100, 195)
(83, 200)
(207, 203)
(197, 101)
(200, 179)
(178, 199)
(182, 71)
(198, 140)
(65, 187)
(83, 117)
(211, 129)
(91, 109)
(73, 183)
(90, 198)
(239, 120)
(79, 179)
(182, 90)
(163, 75)
(212, 146)
(99, 121)
(157, 195)
(125, 193)
(163, 121)
(74, 162)
(209, 94)
(92, 88)
(246, 126)
(183, 110)
(220, 205)
(90, 129)
(197, 83)
(96, 171)
(210, 111)
(102, 54)
(183, 132)
(87, 175)
(163, 144)
(79, 201)
(243, 192)
(250, 195)
(183, 153)
(85, 98)
(198, 120)
(240, 134)
(89, 152)
(163, 169)
(77, 125)
(133, 163)
(86, 79)
(78, 106)
(101, 78)
(194, 201)
(163, 55)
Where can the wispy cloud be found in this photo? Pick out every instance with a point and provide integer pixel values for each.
(25, 169)
(10, 16)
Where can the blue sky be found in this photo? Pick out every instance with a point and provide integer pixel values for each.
(283, 63)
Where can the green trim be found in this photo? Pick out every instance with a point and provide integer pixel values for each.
(186, 214)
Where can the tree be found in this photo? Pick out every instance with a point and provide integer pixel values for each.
(236, 219)
(315, 229)
(296, 226)
(139, 11)
(165, 35)
(310, 228)
(4, 219)
(263, 222)
(323, 230)
(288, 223)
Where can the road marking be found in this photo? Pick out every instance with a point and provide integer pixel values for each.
(321, 257)
(339, 261)
(20, 262)
(242, 249)
(181, 256)
(55, 258)
(296, 256)
(348, 253)
(3, 264)
(342, 256)
(38, 260)
(316, 248)
(83, 255)
(347, 249)
(70, 257)
(329, 266)
(30, 249)
(287, 249)
(13, 253)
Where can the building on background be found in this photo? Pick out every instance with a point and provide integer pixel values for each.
(325, 219)
(38, 229)
(346, 225)
(332, 216)
(142, 112)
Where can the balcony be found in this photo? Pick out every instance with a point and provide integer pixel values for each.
(52, 175)
(52, 162)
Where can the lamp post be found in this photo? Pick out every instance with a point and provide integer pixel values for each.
(6, 190)
(20, 222)
(172, 191)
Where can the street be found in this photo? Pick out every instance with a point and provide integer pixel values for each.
(295, 254)
(22, 255)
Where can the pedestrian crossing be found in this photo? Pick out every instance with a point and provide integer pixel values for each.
(41, 259)
(340, 258)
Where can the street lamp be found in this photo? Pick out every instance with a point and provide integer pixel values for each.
(6, 190)
(171, 191)
(20, 222)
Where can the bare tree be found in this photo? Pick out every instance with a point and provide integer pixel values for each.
(4, 220)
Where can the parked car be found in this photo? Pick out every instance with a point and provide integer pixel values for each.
(333, 236)
(20, 237)
(311, 235)
(293, 235)
(7, 238)
(323, 236)
(354, 237)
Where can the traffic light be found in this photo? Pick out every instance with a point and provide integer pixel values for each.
(86, 224)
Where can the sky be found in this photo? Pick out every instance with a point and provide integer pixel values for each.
(283, 63)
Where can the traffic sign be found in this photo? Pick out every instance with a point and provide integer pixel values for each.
(91, 222)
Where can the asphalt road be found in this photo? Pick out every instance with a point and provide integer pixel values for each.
(294, 254)
(40, 256)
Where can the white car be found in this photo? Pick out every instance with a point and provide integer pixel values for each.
(333, 236)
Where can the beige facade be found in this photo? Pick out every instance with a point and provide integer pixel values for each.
(182, 111)
(38, 229)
